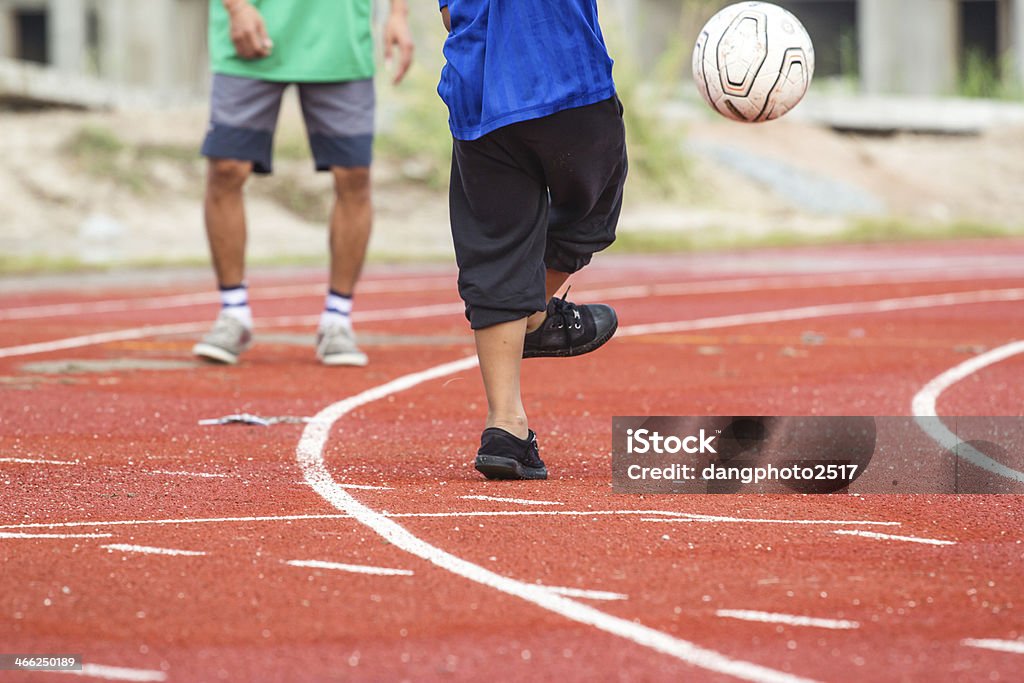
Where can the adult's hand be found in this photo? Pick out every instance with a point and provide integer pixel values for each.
(248, 31)
(398, 40)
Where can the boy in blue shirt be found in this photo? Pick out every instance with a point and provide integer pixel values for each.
(538, 166)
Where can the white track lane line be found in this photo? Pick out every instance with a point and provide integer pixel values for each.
(416, 312)
(517, 501)
(8, 534)
(1013, 646)
(209, 298)
(752, 520)
(587, 594)
(722, 286)
(117, 673)
(353, 568)
(207, 475)
(133, 333)
(787, 619)
(102, 338)
(891, 537)
(923, 406)
(309, 455)
(168, 522)
(150, 550)
(682, 516)
(827, 311)
(33, 461)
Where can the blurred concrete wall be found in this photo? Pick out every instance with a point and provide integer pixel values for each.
(909, 47)
(158, 44)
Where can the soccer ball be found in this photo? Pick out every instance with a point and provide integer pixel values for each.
(753, 62)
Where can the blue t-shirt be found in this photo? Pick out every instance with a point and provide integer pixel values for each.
(514, 60)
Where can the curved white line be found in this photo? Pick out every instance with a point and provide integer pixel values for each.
(923, 408)
(309, 454)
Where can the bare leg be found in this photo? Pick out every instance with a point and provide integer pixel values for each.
(351, 221)
(553, 281)
(224, 208)
(500, 349)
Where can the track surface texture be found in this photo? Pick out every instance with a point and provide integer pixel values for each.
(360, 544)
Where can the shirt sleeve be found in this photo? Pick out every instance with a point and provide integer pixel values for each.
(444, 3)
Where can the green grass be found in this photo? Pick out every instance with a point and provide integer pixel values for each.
(634, 242)
(419, 137)
(983, 77)
(658, 166)
(291, 145)
(860, 232)
(41, 263)
(99, 152)
(37, 264)
(177, 153)
(309, 203)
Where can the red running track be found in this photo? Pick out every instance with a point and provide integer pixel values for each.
(102, 460)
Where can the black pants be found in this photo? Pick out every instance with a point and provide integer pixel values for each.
(543, 193)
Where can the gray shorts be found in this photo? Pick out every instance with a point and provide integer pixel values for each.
(243, 118)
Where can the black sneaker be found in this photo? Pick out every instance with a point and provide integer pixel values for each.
(505, 456)
(571, 329)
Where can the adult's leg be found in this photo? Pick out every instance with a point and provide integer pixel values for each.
(340, 123)
(350, 226)
(239, 140)
(224, 210)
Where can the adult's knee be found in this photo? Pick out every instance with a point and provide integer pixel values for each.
(227, 175)
(352, 184)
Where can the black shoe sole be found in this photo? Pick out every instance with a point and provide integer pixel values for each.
(592, 345)
(499, 467)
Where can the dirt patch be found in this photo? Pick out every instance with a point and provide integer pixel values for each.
(126, 187)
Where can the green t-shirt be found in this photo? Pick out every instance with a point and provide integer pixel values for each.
(314, 41)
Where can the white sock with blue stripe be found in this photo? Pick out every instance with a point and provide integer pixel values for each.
(337, 311)
(234, 301)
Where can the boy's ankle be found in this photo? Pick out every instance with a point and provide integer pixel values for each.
(534, 322)
(517, 428)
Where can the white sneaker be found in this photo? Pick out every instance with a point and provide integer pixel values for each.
(336, 345)
(225, 342)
